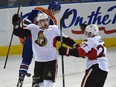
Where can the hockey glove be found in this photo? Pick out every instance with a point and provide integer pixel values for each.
(63, 51)
(15, 19)
(68, 41)
(67, 51)
(83, 26)
(76, 45)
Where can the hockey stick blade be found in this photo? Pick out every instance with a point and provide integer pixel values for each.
(65, 16)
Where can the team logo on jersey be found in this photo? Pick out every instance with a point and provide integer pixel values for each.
(41, 39)
(49, 74)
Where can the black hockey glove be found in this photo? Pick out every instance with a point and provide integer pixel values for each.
(83, 26)
(68, 41)
(64, 51)
(15, 19)
(67, 51)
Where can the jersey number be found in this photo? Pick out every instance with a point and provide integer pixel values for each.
(102, 51)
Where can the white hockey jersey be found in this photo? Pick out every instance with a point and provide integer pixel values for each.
(96, 52)
(43, 42)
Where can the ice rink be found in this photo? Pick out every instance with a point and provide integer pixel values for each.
(74, 71)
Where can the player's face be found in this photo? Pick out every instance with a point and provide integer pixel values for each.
(44, 23)
(88, 34)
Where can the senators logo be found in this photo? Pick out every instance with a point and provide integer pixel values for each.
(41, 39)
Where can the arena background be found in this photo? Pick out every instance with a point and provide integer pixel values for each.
(101, 13)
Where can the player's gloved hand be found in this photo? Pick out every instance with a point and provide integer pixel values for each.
(83, 26)
(16, 19)
(76, 45)
(64, 51)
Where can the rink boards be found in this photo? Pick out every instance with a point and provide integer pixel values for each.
(100, 13)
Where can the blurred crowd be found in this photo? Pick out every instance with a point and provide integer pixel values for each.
(34, 2)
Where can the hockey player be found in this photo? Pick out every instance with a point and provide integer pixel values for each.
(44, 38)
(94, 50)
(30, 18)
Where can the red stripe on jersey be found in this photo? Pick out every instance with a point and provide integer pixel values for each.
(88, 72)
(81, 52)
(25, 67)
(54, 42)
(92, 55)
(48, 13)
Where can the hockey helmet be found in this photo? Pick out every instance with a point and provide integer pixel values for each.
(54, 5)
(42, 16)
(93, 28)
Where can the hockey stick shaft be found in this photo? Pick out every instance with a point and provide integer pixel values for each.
(62, 58)
(63, 17)
(10, 41)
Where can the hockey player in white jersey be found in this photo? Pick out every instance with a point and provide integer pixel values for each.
(44, 38)
(94, 50)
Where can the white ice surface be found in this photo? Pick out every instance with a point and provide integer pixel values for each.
(74, 71)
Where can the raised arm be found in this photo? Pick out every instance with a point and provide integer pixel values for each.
(68, 41)
(17, 30)
(21, 32)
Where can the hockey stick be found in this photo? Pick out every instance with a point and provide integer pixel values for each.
(61, 20)
(10, 41)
